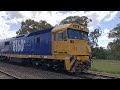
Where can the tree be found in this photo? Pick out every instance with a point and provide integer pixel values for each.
(99, 53)
(115, 45)
(29, 26)
(83, 20)
(93, 36)
(115, 33)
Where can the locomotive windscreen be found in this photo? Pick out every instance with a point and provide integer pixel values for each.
(77, 34)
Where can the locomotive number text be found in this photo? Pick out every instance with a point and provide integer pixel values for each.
(18, 45)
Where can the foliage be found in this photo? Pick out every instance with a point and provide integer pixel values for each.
(115, 33)
(83, 20)
(114, 47)
(29, 26)
(93, 36)
(99, 53)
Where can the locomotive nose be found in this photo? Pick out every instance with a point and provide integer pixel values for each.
(79, 47)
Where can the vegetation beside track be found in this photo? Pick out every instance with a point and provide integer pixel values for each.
(109, 66)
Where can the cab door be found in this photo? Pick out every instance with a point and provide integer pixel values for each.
(60, 45)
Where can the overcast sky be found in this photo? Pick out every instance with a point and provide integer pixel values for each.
(107, 20)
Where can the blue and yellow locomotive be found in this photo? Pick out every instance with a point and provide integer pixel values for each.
(62, 47)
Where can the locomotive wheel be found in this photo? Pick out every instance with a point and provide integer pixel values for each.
(79, 69)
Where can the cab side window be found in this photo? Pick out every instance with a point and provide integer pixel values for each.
(64, 35)
(60, 36)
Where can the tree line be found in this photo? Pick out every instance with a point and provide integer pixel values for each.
(113, 48)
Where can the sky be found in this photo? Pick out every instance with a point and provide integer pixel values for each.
(10, 21)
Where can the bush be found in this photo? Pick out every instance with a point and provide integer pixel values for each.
(106, 55)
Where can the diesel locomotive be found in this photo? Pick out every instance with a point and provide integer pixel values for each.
(64, 47)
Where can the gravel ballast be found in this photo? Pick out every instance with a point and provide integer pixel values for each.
(32, 73)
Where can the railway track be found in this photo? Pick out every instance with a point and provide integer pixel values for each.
(9, 75)
(87, 75)
(27, 72)
(94, 75)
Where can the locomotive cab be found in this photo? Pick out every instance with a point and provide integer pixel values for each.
(78, 44)
(71, 41)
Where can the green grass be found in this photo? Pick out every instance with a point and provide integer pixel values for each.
(110, 66)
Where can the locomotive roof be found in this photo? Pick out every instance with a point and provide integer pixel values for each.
(60, 27)
(40, 32)
(71, 25)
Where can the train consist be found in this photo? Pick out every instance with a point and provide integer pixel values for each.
(62, 47)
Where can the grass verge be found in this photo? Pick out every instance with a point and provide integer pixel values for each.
(109, 66)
